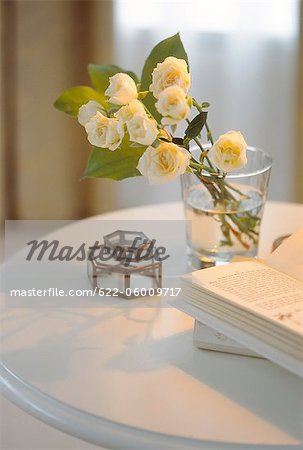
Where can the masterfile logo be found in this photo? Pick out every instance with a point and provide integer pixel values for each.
(140, 249)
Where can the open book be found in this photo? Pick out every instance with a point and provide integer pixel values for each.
(258, 305)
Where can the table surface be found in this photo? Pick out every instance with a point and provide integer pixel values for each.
(129, 377)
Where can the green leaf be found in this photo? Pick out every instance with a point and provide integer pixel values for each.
(195, 126)
(136, 145)
(117, 164)
(149, 101)
(178, 141)
(142, 95)
(71, 99)
(171, 46)
(100, 75)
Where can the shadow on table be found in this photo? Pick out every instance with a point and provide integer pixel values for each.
(256, 384)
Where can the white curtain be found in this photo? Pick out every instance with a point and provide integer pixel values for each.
(243, 59)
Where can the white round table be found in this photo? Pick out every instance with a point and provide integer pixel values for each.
(129, 377)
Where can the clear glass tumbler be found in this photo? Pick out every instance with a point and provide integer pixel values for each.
(219, 230)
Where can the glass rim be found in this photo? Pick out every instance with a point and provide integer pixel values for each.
(229, 175)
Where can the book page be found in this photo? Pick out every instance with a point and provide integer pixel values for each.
(257, 287)
(288, 257)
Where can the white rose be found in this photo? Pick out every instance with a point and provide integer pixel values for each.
(142, 129)
(127, 112)
(173, 105)
(87, 111)
(229, 151)
(122, 89)
(104, 132)
(163, 163)
(171, 72)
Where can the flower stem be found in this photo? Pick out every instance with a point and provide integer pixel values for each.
(197, 141)
(231, 223)
(201, 167)
(209, 134)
